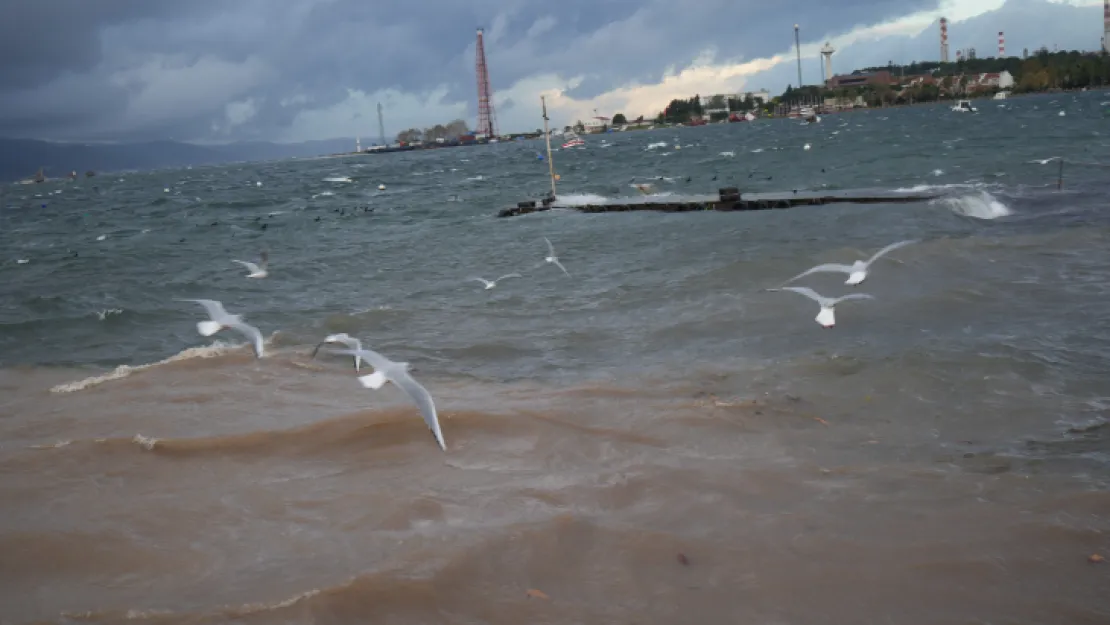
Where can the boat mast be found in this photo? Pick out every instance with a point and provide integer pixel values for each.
(547, 138)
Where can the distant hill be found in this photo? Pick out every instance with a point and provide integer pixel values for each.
(21, 158)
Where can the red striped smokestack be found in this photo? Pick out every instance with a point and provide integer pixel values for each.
(944, 38)
(1002, 43)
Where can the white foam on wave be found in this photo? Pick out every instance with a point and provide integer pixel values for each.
(218, 348)
(921, 188)
(980, 205)
(581, 199)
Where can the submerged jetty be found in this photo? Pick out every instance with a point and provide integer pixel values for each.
(727, 199)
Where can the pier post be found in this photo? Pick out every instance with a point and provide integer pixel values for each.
(547, 139)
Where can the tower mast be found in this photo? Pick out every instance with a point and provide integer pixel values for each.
(487, 120)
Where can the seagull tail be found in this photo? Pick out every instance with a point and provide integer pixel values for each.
(208, 328)
(374, 380)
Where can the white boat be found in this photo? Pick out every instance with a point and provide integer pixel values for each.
(572, 140)
(1001, 95)
(964, 106)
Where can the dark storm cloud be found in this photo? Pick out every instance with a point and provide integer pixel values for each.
(40, 40)
(82, 68)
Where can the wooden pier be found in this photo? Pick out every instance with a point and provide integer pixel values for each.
(727, 199)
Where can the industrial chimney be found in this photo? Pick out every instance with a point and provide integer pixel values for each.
(1106, 25)
(944, 38)
(1002, 43)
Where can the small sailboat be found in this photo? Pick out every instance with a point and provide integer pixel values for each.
(38, 178)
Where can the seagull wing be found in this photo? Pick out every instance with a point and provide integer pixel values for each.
(423, 400)
(890, 248)
(810, 293)
(371, 357)
(827, 267)
(250, 332)
(550, 248)
(556, 261)
(251, 267)
(509, 275)
(482, 280)
(264, 257)
(849, 296)
(215, 309)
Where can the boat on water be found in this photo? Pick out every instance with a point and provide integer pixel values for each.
(1001, 95)
(964, 106)
(572, 140)
(38, 178)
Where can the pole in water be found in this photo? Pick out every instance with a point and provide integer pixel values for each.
(547, 138)
(1060, 176)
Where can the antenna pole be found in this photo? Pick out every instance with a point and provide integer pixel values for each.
(547, 138)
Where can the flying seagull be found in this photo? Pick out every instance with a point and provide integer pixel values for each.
(220, 319)
(492, 283)
(857, 271)
(259, 270)
(345, 339)
(552, 258)
(386, 370)
(826, 316)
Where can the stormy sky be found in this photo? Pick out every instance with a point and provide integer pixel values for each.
(294, 70)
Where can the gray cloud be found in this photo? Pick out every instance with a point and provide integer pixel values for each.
(78, 69)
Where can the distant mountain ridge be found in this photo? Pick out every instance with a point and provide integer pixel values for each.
(21, 158)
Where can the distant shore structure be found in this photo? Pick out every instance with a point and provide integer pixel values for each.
(487, 118)
(1106, 26)
(798, 51)
(381, 125)
(1002, 44)
(827, 52)
(944, 39)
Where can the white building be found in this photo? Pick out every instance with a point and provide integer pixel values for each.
(1002, 80)
(595, 124)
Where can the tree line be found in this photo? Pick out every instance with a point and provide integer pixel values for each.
(1042, 71)
(450, 132)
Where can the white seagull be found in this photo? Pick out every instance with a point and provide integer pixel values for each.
(221, 319)
(345, 339)
(385, 370)
(492, 283)
(552, 258)
(826, 316)
(256, 271)
(857, 271)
